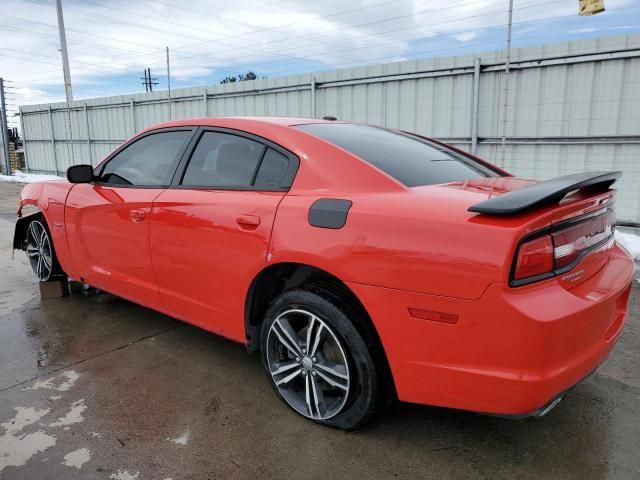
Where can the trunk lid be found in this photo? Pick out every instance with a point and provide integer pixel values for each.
(580, 221)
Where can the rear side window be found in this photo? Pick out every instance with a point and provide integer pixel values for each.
(410, 160)
(273, 170)
(223, 160)
(149, 161)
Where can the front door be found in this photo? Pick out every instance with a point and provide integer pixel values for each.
(210, 233)
(107, 222)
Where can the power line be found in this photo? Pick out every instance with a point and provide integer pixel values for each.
(440, 20)
(306, 36)
(466, 30)
(148, 81)
(419, 56)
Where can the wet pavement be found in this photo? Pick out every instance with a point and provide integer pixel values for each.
(92, 386)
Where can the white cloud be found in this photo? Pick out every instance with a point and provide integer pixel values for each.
(112, 41)
(466, 36)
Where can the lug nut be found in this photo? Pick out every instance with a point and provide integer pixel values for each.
(304, 351)
(298, 359)
(313, 372)
(304, 373)
(314, 360)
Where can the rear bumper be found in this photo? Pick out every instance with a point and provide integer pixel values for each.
(511, 352)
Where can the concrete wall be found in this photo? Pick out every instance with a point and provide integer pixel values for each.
(572, 106)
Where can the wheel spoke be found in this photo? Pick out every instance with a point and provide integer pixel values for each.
(32, 251)
(288, 337)
(332, 382)
(34, 234)
(43, 237)
(307, 394)
(316, 340)
(288, 378)
(318, 397)
(282, 367)
(47, 261)
(39, 267)
(310, 333)
(333, 370)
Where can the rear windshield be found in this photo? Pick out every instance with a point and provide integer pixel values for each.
(411, 160)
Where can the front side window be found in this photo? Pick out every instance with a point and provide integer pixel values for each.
(150, 161)
(411, 160)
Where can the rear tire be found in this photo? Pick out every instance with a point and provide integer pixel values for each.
(318, 361)
(41, 252)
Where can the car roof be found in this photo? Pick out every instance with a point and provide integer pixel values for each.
(215, 121)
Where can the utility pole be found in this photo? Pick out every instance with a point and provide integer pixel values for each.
(5, 133)
(169, 83)
(505, 100)
(63, 51)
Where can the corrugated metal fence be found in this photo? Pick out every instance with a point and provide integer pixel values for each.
(572, 106)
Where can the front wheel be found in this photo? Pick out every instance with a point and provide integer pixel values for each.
(318, 362)
(40, 251)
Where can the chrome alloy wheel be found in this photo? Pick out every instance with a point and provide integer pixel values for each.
(38, 246)
(307, 364)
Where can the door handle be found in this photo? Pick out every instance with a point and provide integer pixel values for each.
(248, 221)
(137, 216)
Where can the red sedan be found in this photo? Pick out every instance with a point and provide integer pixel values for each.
(363, 263)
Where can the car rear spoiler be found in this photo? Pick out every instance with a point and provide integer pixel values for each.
(545, 193)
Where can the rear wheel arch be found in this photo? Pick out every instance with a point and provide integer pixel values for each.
(282, 277)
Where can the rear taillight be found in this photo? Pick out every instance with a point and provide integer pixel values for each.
(534, 258)
(559, 248)
(570, 243)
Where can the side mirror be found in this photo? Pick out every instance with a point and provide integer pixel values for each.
(80, 174)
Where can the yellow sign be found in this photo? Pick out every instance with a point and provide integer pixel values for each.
(590, 7)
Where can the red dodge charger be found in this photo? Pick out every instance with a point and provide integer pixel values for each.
(364, 264)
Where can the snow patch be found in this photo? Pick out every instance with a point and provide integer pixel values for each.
(631, 243)
(77, 458)
(124, 475)
(70, 376)
(96, 434)
(23, 177)
(16, 450)
(182, 439)
(73, 416)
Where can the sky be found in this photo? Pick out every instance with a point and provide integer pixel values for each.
(111, 42)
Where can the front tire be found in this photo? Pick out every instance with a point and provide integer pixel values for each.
(40, 251)
(318, 362)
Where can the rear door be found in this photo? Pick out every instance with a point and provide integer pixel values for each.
(210, 231)
(107, 222)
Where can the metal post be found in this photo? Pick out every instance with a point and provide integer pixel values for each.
(313, 96)
(63, 51)
(205, 104)
(505, 100)
(475, 106)
(169, 84)
(5, 126)
(133, 116)
(88, 139)
(53, 140)
(24, 142)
